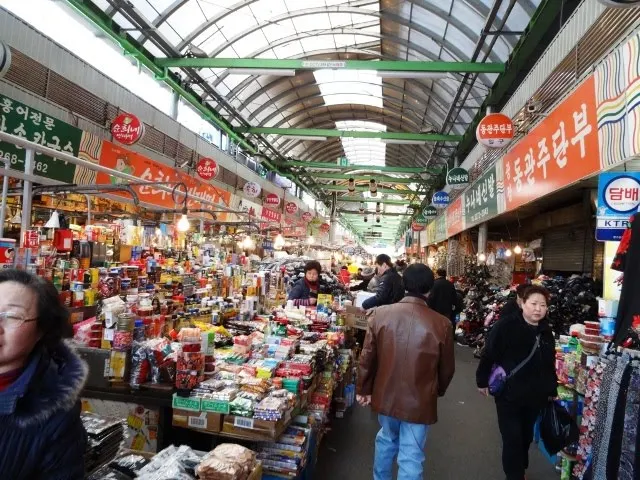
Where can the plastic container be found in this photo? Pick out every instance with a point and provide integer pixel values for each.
(139, 333)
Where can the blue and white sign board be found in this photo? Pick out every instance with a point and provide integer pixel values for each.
(618, 200)
(440, 199)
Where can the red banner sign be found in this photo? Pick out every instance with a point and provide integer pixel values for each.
(291, 208)
(307, 216)
(207, 168)
(127, 129)
(495, 130)
(272, 199)
(325, 227)
(455, 217)
(561, 150)
(126, 161)
(271, 215)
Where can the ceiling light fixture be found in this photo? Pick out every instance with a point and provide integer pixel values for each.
(311, 138)
(508, 252)
(400, 141)
(352, 185)
(517, 249)
(373, 187)
(279, 72)
(482, 257)
(183, 223)
(279, 242)
(410, 74)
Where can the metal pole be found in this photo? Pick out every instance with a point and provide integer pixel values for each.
(27, 194)
(173, 113)
(3, 208)
(88, 209)
(483, 232)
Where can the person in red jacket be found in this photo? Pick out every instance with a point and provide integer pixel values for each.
(345, 276)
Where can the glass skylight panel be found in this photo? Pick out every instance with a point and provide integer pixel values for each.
(150, 10)
(314, 43)
(186, 18)
(360, 87)
(169, 33)
(318, 21)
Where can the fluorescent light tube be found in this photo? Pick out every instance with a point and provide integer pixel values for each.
(409, 74)
(397, 141)
(279, 72)
(304, 137)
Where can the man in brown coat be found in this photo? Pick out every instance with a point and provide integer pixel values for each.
(407, 362)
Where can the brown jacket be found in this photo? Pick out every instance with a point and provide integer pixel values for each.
(407, 361)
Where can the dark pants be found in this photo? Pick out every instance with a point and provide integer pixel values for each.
(516, 427)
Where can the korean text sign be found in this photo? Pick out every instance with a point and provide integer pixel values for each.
(31, 124)
(455, 217)
(129, 162)
(561, 150)
(481, 199)
(618, 200)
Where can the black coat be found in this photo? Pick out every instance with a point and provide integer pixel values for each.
(509, 342)
(511, 308)
(390, 290)
(443, 297)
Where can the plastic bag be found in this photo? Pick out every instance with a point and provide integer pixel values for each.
(557, 429)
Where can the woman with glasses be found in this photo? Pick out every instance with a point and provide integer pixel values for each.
(41, 434)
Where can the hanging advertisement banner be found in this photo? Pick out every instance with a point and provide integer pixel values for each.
(455, 217)
(252, 189)
(420, 219)
(127, 129)
(207, 169)
(253, 209)
(618, 200)
(31, 124)
(559, 151)
(325, 228)
(440, 199)
(431, 233)
(270, 215)
(132, 163)
(272, 200)
(417, 227)
(430, 212)
(481, 199)
(307, 216)
(495, 130)
(291, 208)
(457, 177)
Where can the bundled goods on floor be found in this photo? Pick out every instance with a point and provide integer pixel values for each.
(104, 439)
(227, 461)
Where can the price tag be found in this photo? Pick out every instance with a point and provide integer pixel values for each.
(108, 319)
(198, 422)
(243, 422)
(107, 334)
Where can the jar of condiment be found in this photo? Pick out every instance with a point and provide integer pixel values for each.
(123, 336)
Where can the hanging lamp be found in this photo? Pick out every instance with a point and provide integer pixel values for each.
(373, 187)
(362, 207)
(54, 220)
(352, 185)
(378, 207)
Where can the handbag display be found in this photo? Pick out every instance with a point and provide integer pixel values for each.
(499, 377)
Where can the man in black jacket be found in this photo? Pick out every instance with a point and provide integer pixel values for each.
(443, 297)
(390, 287)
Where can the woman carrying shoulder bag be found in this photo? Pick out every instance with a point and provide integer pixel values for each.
(522, 346)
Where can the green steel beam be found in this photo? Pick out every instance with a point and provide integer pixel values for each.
(327, 132)
(543, 19)
(343, 188)
(356, 213)
(386, 201)
(379, 178)
(335, 166)
(286, 64)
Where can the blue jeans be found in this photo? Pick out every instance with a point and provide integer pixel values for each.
(404, 439)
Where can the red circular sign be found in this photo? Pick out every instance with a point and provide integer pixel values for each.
(416, 227)
(207, 168)
(291, 208)
(496, 130)
(325, 227)
(272, 199)
(307, 217)
(127, 129)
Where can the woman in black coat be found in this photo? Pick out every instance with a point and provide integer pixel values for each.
(510, 342)
(41, 434)
(305, 291)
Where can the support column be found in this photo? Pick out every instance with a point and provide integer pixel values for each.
(175, 101)
(27, 194)
(483, 232)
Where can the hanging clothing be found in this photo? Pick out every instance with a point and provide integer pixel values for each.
(630, 434)
(627, 260)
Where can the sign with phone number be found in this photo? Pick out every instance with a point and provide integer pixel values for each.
(31, 124)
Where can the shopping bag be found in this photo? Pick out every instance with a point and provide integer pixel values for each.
(557, 429)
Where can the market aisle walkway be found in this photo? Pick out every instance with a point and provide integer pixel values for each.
(464, 445)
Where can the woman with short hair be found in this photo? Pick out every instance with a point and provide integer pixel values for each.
(41, 433)
(305, 291)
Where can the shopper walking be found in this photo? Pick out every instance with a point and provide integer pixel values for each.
(305, 291)
(443, 297)
(524, 346)
(407, 362)
(41, 434)
(390, 289)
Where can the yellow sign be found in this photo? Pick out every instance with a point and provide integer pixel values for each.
(324, 299)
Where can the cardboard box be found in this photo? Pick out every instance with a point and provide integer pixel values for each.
(206, 421)
(356, 318)
(255, 430)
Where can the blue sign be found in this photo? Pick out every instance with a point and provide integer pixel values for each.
(618, 200)
(440, 199)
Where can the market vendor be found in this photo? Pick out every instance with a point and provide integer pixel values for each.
(366, 275)
(305, 291)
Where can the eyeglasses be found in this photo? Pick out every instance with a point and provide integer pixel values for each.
(13, 320)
